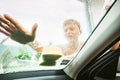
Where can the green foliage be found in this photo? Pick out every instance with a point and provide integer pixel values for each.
(24, 56)
(38, 55)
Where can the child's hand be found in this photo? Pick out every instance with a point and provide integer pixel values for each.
(12, 28)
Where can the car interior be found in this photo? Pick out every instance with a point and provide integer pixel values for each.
(93, 61)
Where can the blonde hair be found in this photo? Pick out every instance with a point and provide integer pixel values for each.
(72, 21)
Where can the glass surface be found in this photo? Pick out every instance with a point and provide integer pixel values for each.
(98, 8)
(47, 50)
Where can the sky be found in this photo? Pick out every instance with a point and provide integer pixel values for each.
(49, 14)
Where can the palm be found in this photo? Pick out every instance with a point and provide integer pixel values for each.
(13, 29)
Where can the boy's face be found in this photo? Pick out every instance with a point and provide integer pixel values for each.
(72, 31)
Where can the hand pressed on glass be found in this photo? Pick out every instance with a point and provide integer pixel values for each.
(16, 31)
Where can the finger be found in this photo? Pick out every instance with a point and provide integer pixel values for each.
(5, 32)
(6, 28)
(13, 21)
(7, 22)
(34, 28)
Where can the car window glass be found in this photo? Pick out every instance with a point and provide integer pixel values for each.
(98, 8)
(60, 23)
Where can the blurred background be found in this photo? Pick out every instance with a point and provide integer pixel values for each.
(50, 16)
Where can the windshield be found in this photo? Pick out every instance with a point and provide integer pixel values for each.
(63, 28)
(98, 9)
